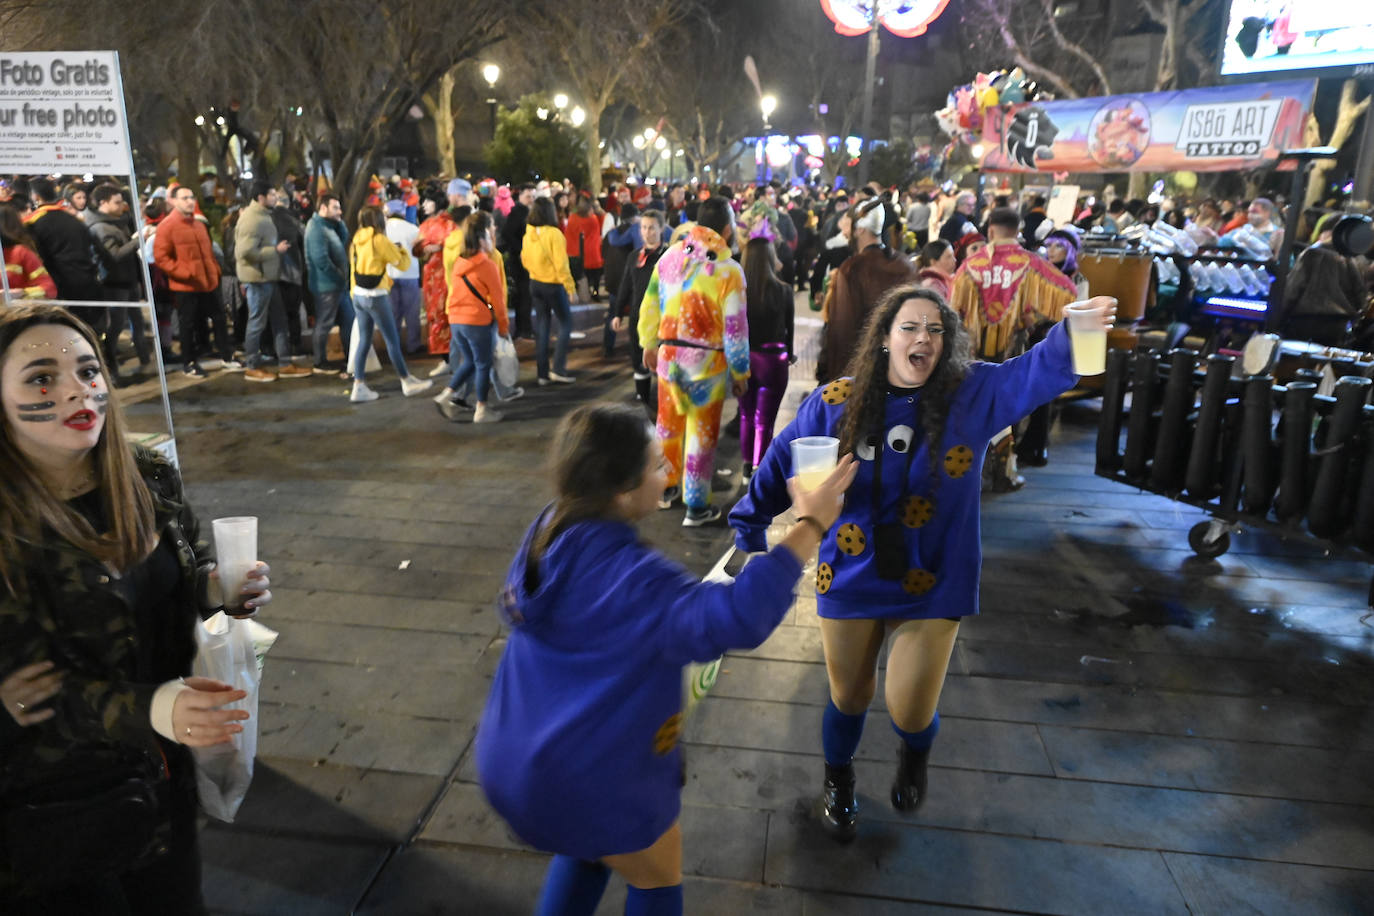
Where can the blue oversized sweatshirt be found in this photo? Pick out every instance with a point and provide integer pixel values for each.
(934, 515)
(577, 748)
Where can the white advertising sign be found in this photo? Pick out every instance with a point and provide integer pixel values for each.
(62, 112)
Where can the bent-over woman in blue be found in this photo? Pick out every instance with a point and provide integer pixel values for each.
(577, 748)
(905, 554)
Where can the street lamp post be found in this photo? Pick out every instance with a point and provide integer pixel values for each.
(491, 73)
(870, 74)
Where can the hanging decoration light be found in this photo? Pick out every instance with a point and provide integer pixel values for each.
(904, 18)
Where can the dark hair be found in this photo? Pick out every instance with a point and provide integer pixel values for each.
(1037, 201)
(627, 213)
(864, 410)
(932, 252)
(1116, 206)
(12, 229)
(584, 205)
(1004, 218)
(104, 192)
(542, 213)
(759, 273)
(259, 188)
(715, 214)
(28, 506)
(475, 229)
(527, 186)
(155, 208)
(43, 189)
(460, 213)
(598, 452)
(326, 198)
(371, 217)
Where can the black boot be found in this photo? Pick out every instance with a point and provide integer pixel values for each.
(909, 788)
(839, 809)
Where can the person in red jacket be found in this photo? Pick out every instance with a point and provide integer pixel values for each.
(28, 278)
(583, 233)
(182, 251)
(477, 297)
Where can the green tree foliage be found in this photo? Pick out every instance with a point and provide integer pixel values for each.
(528, 147)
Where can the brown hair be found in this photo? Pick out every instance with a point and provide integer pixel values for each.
(598, 452)
(864, 410)
(371, 217)
(475, 229)
(12, 229)
(759, 274)
(28, 505)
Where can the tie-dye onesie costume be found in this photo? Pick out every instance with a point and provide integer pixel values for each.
(694, 313)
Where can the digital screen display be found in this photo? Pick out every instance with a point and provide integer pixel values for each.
(1275, 36)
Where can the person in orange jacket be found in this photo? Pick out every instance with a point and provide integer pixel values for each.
(477, 298)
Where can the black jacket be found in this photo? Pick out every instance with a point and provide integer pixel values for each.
(116, 250)
(64, 244)
(772, 316)
(636, 281)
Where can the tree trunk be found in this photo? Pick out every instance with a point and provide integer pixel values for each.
(442, 111)
(1348, 115)
(188, 150)
(593, 137)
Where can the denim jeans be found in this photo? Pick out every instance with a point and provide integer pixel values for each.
(375, 311)
(331, 308)
(262, 306)
(471, 344)
(405, 308)
(501, 391)
(550, 299)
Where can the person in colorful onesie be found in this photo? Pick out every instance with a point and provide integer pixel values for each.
(1002, 294)
(578, 744)
(903, 558)
(694, 328)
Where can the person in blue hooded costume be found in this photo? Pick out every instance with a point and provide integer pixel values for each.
(577, 748)
(904, 557)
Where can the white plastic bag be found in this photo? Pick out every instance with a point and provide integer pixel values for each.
(373, 363)
(231, 651)
(506, 362)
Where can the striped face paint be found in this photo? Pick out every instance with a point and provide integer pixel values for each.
(33, 413)
(102, 402)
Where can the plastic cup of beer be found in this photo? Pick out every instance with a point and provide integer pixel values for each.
(1088, 336)
(236, 550)
(813, 459)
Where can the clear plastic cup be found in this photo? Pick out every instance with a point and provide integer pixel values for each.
(1088, 336)
(236, 551)
(813, 459)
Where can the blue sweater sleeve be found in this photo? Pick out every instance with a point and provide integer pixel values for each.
(1012, 389)
(704, 620)
(768, 497)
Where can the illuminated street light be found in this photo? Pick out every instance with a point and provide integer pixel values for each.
(637, 142)
(660, 142)
(577, 115)
(679, 153)
(560, 101)
(200, 120)
(667, 154)
(543, 113)
(978, 151)
(648, 134)
(768, 104)
(220, 120)
(491, 73)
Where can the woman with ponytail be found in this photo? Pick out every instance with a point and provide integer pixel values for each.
(904, 559)
(577, 748)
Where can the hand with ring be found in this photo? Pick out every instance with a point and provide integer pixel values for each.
(198, 719)
(27, 688)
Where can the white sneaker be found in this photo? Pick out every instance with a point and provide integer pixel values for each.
(485, 414)
(514, 394)
(439, 369)
(443, 396)
(410, 385)
(233, 365)
(362, 393)
(562, 379)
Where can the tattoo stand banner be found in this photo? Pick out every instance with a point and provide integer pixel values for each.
(62, 114)
(1219, 128)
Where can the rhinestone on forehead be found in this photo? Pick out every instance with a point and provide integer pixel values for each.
(38, 346)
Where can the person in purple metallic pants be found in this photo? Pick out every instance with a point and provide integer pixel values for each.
(771, 320)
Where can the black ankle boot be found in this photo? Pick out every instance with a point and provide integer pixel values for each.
(839, 809)
(909, 788)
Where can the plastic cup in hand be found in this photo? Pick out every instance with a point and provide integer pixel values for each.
(236, 547)
(813, 459)
(1089, 337)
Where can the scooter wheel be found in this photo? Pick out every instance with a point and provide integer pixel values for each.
(1197, 539)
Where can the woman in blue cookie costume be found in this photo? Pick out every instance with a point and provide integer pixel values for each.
(902, 560)
(577, 748)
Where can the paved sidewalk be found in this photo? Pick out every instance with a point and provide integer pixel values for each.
(1126, 728)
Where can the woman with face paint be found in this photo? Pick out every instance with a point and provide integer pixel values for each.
(103, 576)
(903, 559)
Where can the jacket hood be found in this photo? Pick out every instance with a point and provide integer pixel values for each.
(528, 601)
(363, 237)
(699, 250)
(464, 266)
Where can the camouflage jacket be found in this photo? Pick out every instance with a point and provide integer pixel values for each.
(114, 654)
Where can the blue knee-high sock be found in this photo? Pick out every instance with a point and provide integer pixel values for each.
(656, 901)
(572, 887)
(840, 734)
(923, 739)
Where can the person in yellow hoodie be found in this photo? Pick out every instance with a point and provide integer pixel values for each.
(545, 257)
(369, 254)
